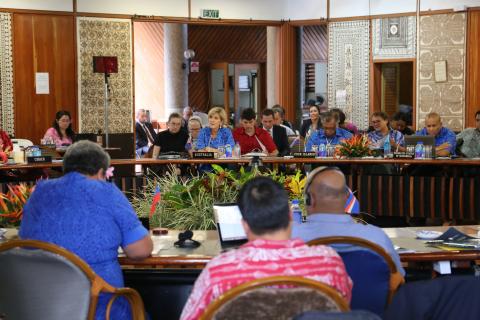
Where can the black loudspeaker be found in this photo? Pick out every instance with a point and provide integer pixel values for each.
(105, 64)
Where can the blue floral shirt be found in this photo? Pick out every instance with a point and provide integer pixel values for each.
(319, 137)
(90, 218)
(444, 135)
(377, 140)
(224, 137)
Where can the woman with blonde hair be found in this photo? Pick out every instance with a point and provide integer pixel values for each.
(215, 135)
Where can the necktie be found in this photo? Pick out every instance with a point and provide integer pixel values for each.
(149, 135)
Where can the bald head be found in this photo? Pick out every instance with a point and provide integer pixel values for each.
(328, 192)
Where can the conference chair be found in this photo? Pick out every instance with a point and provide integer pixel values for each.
(40, 280)
(374, 274)
(281, 297)
(22, 143)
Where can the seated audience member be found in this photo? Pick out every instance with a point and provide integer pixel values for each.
(382, 131)
(445, 139)
(270, 252)
(89, 217)
(144, 134)
(215, 135)
(278, 133)
(61, 132)
(252, 138)
(5, 142)
(329, 135)
(279, 118)
(194, 127)
(309, 126)
(399, 123)
(186, 114)
(340, 115)
(469, 139)
(173, 139)
(326, 192)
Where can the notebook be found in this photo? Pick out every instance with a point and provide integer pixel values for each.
(229, 225)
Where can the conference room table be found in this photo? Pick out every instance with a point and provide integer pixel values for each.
(166, 255)
(411, 249)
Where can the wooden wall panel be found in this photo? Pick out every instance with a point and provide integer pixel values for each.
(43, 43)
(149, 68)
(287, 71)
(233, 44)
(315, 44)
(473, 67)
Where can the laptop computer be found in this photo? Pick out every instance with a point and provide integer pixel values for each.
(427, 141)
(229, 225)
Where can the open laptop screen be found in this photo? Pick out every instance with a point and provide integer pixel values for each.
(229, 222)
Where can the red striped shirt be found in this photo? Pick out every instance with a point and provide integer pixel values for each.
(263, 258)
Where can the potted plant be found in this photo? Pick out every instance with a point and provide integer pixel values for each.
(11, 204)
(354, 147)
(187, 203)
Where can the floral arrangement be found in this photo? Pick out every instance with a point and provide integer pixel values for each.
(11, 204)
(355, 147)
(186, 203)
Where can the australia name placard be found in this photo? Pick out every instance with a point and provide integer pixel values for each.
(203, 155)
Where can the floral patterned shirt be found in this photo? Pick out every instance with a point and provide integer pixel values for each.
(264, 258)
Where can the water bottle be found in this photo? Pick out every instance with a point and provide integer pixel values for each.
(228, 151)
(296, 211)
(237, 151)
(387, 148)
(322, 150)
(419, 150)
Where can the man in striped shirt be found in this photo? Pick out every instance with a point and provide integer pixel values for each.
(267, 220)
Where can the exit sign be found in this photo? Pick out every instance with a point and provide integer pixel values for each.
(210, 14)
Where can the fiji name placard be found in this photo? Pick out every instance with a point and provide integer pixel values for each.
(304, 154)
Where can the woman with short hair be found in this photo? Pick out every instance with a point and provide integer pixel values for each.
(215, 135)
(88, 216)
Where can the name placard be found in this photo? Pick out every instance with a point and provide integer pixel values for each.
(203, 155)
(41, 159)
(304, 154)
(403, 155)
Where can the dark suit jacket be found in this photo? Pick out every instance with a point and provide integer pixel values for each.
(281, 140)
(141, 138)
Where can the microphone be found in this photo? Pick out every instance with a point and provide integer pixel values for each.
(185, 240)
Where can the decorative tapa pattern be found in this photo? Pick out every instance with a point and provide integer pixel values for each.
(104, 37)
(394, 37)
(442, 37)
(348, 63)
(7, 114)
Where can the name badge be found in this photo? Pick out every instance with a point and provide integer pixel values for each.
(304, 154)
(203, 155)
(41, 159)
(403, 155)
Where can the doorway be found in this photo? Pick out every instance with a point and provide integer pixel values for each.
(236, 87)
(394, 88)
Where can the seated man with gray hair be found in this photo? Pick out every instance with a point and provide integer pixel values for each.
(88, 216)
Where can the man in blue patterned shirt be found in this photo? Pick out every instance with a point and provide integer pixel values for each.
(445, 139)
(330, 134)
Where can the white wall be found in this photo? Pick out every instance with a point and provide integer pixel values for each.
(242, 9)
(171, 8)
(447, 4)
(49, 5)
(305, 9)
